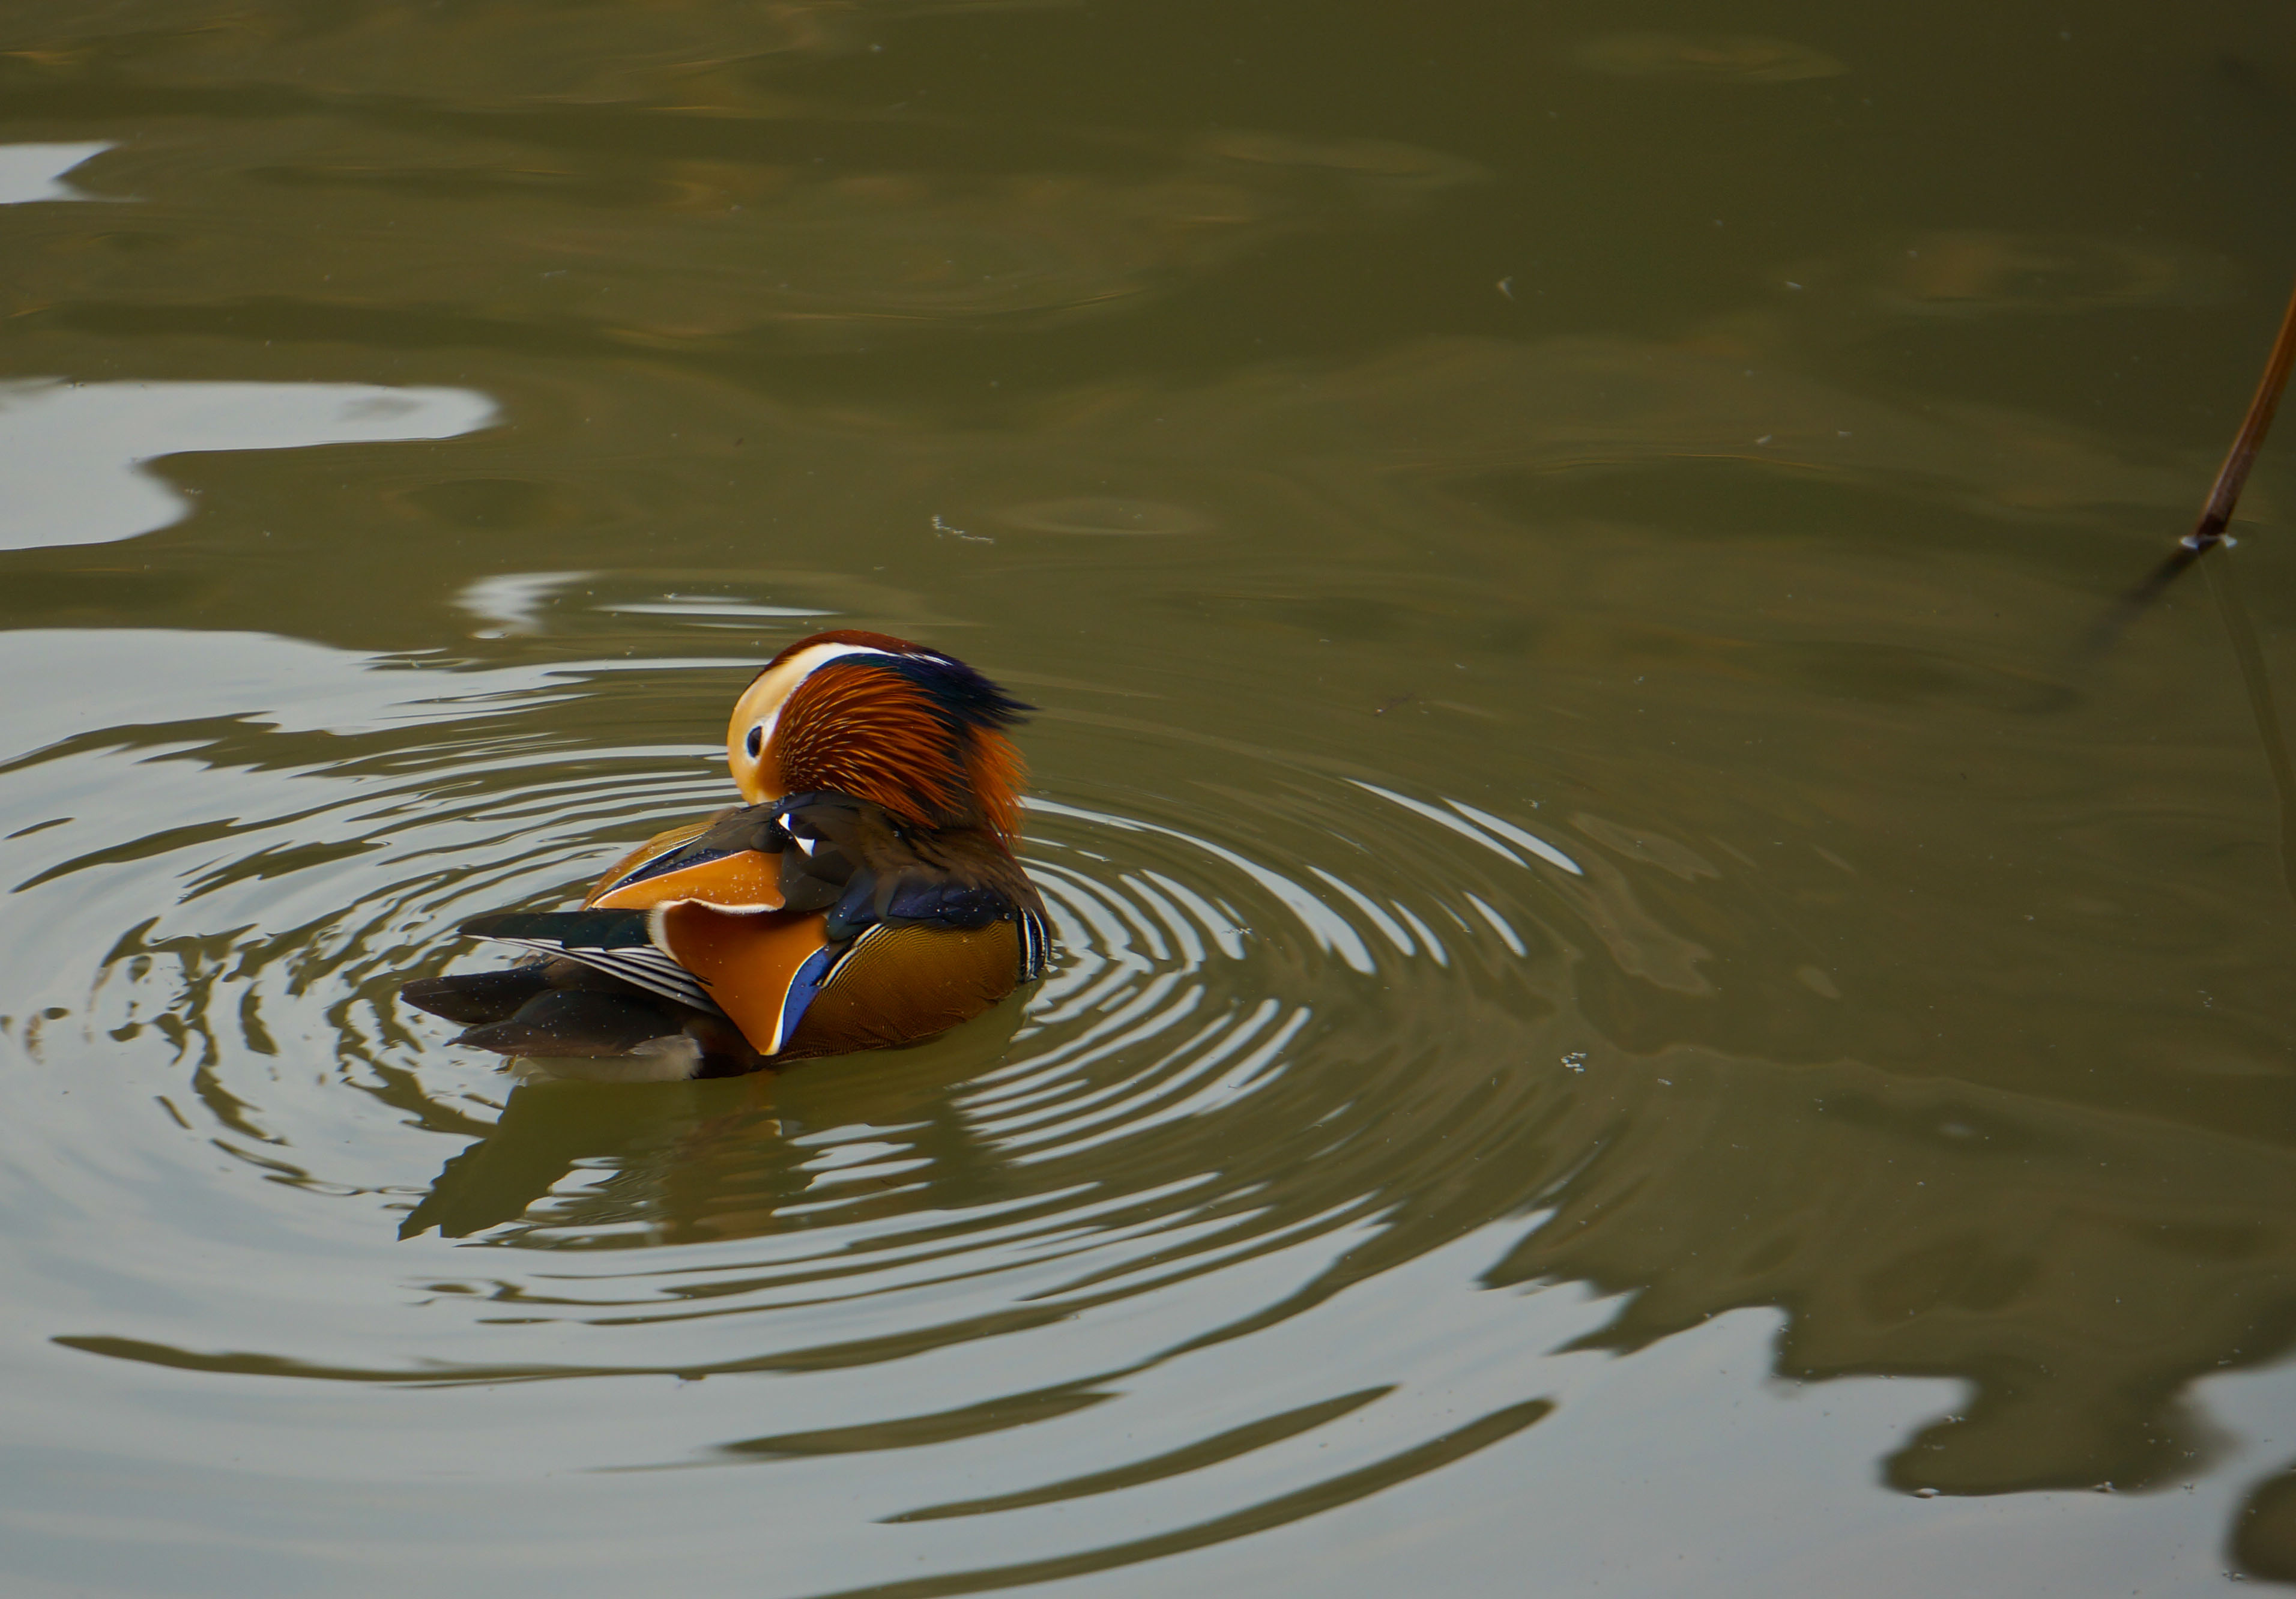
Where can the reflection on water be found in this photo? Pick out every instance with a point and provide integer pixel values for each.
(73, 452)
(1624, 1014)
(37, 172)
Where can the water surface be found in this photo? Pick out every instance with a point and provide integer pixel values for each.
(1632, 1014)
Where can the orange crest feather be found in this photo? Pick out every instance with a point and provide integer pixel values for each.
(871, 733)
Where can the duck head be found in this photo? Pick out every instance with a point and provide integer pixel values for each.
(905, 728)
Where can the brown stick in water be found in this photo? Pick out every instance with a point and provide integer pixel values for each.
(2210, 530)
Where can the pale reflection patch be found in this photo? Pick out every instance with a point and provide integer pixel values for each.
(511, 603)
(73, 454)
(35, 172)
(517, 604)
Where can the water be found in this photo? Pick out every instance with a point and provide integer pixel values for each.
(1631, 1015)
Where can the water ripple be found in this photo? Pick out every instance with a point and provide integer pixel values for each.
(1322, 1046)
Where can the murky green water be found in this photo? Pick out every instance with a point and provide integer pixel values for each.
(1632, 1017)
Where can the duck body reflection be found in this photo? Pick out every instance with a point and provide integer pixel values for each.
(865, 895)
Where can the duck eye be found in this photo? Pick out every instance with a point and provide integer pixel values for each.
(756, 742)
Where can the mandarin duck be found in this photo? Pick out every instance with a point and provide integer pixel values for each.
(864, 896)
